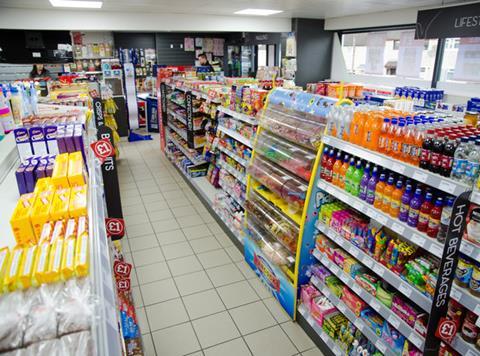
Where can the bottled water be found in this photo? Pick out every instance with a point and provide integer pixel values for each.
(460, 160)
(473, 163)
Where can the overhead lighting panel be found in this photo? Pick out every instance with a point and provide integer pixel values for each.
(258, 12)
(77, 4)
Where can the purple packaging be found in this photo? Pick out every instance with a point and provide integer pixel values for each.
(61, 139)
(37, 138)
(40, 171)
(78, 137)
(30, 176)
(20, 176)
(51, 138)
(69, 141)
(24, 146)
(320, 272)
(49, 169)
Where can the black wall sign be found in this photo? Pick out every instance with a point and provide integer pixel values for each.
(448, 265)
(110, 180)
(190, 133)
(451, 21)
(98, 112)
(163, 101)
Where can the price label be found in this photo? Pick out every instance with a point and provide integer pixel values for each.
(394, 321)
(341, 307)
(357, 205)
(378, 270)
(382, 219)
(405, 289)
(446, 186)
(381, 346)
(456, 294)
(399, 229)
(418, 240)
(477, 310)
(326, 140)
(471, 353)
(375, 305)
(398, 168)
(327, 293)
(310, 320)
(420, 176)
(344, 278)
(371, 212)
(368, 262)
(356, 288)
(466, 248)
(337, 350)
(417, 341)
(335, 269)
(359, 324)
(436, 250)
(354, 252)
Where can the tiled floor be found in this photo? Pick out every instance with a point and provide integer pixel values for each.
(193, 292)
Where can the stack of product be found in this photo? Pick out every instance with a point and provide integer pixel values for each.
(336, 89)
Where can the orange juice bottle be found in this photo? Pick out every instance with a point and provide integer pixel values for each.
(407, 144)
(343, 171)
(390, 136)
(383, 140)
(356, 127)
(396, 199)
(367, 131)
(336, 168)
(378, 202)
(375, 131)
(396, 147)
(419, 135)
(387, 195)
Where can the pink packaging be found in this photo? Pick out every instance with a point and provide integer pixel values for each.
(321, 308)
(404, 310)
(307, 294)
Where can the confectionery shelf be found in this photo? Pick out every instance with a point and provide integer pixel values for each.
(239, 116)
(186, 151)
(237, 158)
(239, 176)
(235, 135)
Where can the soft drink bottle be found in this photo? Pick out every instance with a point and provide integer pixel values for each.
(323, 162)
(349, 175)
(356, 179)
(460, 160)
(378, 202)
(447, 157)
(364, 182)
(426, 150)
(415, 205)
(437, 152)
(405, 203)
(343, 172)
(396, 199)
(329, 165)
(356, 127)
(407, 144)
(375, 131)
(416, 148)
(434, 220)
(387, 195)
(367, 130)
(372, 184)
(390, 136)
(424, 213)
(396, 150)
(445, 219)
(336, 168)
(473, 163)
(383, 140)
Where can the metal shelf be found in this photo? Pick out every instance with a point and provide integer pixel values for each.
(407, 232)
(239, 116)
(236, 157)
(464, 297)
(181, 132)
(235, 135)
(358, 322)
(383, 272)
(239, 176)
(185, 151)
(463, 347)
(233, 195)
(182, 119)
(381, 309)
(445, 184)
(470, 250)
(475, 197)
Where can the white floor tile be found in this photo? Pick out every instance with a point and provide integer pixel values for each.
(180, 249)
(163, 315)
(139, 230)
(165, 225)
(215, 228)
(142, 320)
(148, 190)
(148, 348)
(223, 239)
(301, 340)
(159, 291)
(183, 211)
(252, 317)
(260, 288)
(152, 198)
(184, 265)
(177, 202)
(202, 304)
(313, 352)
(193, 283)
(196, 232)
(160, 216)
(189, 221)
(246, 270)
(236, 294)
(236, 347)
(131, 210)
(225, 274)
(214, 258)
(170, 237)
(205, 244)
(215, 329)
(277, 310)
(153, 272)
(137, 297)
(157, 205)
(146, 257)
(143, 242)
(234, 253)
(128, 193)
(177, 340)
(270, 342)
(133, 200)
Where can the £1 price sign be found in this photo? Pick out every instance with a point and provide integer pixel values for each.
(447, 329)
(102, 149)
(115, 227)
(121, 269)
(123, 285)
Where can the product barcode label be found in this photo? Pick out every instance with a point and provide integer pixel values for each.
(405, 289)
(354, 252)
(446, 186)
(394, 321)
(417, 341)
(342, 307)
(368, 262)
(382, 219)
(418, 240)
(456, 294)
(398, 168)
(380, 346)
(436, 250)
(372, 213)
(326, 139)
(420, 176)
(467, 248)
(334, 268)
(359, 324)
(378, 270)
(399, 229)
(356, 288)
(357, 205)
(375, 305)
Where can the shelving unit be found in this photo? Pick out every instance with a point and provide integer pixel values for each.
(233, 134)
(229, 153)
(463, 347)
(239, 176)
(196, 160)
(239, 116)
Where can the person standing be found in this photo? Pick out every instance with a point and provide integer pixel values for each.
(39, 71)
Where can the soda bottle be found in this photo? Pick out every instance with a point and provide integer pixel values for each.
(356, 179)
(383, 139)
(378, 202)
(375, 131)
(372, 184)
(447, 157)
(323, 163)
(356, 127)
(415, 205)
(343, 172)
(426, 151)
(396, 199)
(364, 182)
(349, 175)
(390, 137)
(416, 148)
(434, 220)
(460, 160)
(336, 168)
(367, 130)
(445, 219)
(473, 163)
(437, 151)
(329, 166)
(424, 214)
(396, 151)
(387, 195)
(405, 203)
(407, 143)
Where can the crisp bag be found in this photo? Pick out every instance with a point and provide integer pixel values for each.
(14, 308)
(75, 310)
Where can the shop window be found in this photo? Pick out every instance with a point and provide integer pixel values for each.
(261, 56)
(461, 60)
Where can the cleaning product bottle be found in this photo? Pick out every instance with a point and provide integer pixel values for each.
(364, 182)
(405, 203)
(372, 184)
(378, 202)
(387, 195)
(445, 219)
(434, 220)
(396, 199)
(349, 175)
(323, 162)
(415, 205)
(329, 166)
(424, 214)
(336, 168)
(356, 179)
(343, 172)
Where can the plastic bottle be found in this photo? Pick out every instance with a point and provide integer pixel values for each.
(460, 160)
(447, 157)
(407, 143)
(380, 187)
(473, 164)
(6, 118)
(415, 205)
(445, 219)
(434, 220)
(416, 148)
(396, 147)
(383, 139)
(364, 182)
(336, 168)
(372, 184)
(323, 162)
(356, 127)
(343, 172)
(387, 194)
(426, 150)
(390, 136)
(329, 165)
(367, 130)
(405, 203)
(396, 199)
(349, 175)
(16, 103)
(356, 179)
(424, 213)
(375, 131)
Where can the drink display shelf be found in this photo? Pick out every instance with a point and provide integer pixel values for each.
(233, 155)
(239, 116)
(437, 181)
(383, 272)
(394, 320)
(185, 151)
(358, 322)
(464, 297)
(463, 347)
(234, 134)
(239, 176)
(470, 250)
(407, 232)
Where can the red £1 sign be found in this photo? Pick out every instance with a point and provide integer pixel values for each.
(121, 269)
(102, 149)
(115, 226)
(123, 285)
(446, 330)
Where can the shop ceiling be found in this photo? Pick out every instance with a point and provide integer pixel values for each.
(290, 8)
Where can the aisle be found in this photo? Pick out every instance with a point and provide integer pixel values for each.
(194, 294)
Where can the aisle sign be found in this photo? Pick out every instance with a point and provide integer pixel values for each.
(98, 112)
(115, 226)
(190, 129)
(409, 55)
(102, 149)
(375, 61)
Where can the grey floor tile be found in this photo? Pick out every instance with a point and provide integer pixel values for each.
(215, 329)
(146, 257)
(180, 249)
(236, 294)
(296, 334)
(189, 221)
(165, 225)
(234, 253)
(169, 313)
(205, 244)
(236, 347)
(143, 242)
(170, 237)
(196, 232)
(139, 230)
(148, 348)
(184, 265)
(277, 310)
(313, 352)
(203, 303)
(193, 283)
(153, 272)
(260, 288)
(225, 274)
(159, 291)
(137, 297)
(177, 340)
(246, 270)
(261, 343)
(160, 216)
(214, 258)
(142, 320)
(252, 317)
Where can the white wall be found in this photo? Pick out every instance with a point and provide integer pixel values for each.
(13, 18)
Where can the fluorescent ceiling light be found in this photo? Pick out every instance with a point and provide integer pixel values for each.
(258, 12)
(81, 4)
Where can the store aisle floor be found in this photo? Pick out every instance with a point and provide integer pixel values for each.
(194, 293)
